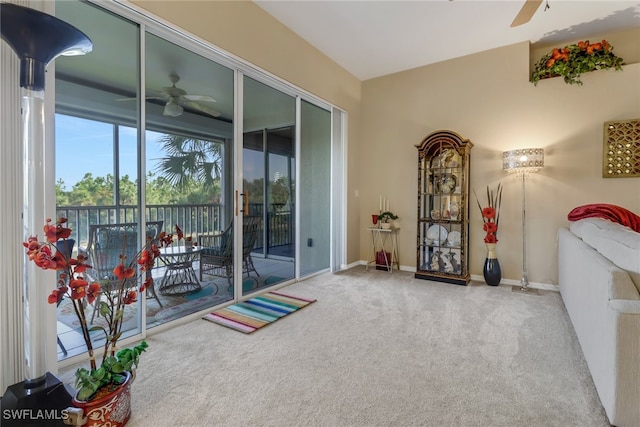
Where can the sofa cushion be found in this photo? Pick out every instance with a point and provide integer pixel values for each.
(619, 244)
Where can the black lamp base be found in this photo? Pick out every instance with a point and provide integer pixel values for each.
(45, 405)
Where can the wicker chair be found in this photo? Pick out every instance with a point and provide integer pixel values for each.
(216, 257)
(106, 243)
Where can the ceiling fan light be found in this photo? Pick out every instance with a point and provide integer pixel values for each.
(172, 109)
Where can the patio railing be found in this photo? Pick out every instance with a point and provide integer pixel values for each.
(193, 219)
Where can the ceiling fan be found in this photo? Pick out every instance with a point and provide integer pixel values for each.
(529, 9)
(177, 99)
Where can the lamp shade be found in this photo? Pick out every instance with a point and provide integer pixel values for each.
(37, 39)
(172, 108)
(523, 160)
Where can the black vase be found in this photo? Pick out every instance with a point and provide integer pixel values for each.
(491, 271)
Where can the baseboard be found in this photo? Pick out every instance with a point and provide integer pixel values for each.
(512, 282)
(474, 277)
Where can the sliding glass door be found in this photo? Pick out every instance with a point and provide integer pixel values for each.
(146, 133)
(269, 163)
(189, 111)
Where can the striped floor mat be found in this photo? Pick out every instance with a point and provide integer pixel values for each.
(254, 313)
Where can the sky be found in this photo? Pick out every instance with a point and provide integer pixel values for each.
(86, 146)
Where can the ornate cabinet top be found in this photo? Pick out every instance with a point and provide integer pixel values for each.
(434, 143)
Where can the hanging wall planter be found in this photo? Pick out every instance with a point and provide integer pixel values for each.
(572, 60)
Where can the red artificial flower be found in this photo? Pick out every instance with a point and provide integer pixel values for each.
(56, 232)
(179, 232)
(60, 261)
(57, 295)
(490, 238)
(488, 212)
(146, 260)
(147, 284)
(43, 258)
(78, 288)
(93, 292)
(490, 227)
(131, 297)
(123, 272)
(79, 263)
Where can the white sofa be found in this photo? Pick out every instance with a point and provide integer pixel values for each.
(599, 278)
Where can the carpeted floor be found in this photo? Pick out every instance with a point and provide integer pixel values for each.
(376, 349)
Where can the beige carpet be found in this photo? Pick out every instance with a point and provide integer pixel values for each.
(376, 350)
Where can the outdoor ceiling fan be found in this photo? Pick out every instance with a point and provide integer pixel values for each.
(529, 9)
(177, 99)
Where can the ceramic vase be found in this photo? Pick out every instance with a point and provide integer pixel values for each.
(491, 271)
(112, 410)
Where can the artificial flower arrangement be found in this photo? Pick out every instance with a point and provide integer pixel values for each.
(73, 283)
(491, 213)
(572, 60)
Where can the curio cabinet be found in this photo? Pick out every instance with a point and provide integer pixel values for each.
(443, 208)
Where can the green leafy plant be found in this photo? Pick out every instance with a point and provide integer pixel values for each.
(572, 60)
(387, 216)
(110, 374)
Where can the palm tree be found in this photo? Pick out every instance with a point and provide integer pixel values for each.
(190, 160)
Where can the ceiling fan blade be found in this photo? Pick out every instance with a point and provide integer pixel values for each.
(201, 107)
(200, 98)
(526, 13)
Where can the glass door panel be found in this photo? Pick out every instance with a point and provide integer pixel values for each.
(315, 188)
(268, 183)
(96, 148)
(189, 169)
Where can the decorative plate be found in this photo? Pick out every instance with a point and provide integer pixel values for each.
(454, 238)
(437, 232)
(446, 183)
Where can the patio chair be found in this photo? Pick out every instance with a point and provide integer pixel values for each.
(216, 257)
(106, 243)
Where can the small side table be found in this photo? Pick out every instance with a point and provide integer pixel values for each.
(179, 277)
(381, 239)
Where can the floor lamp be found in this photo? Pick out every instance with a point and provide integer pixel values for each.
(522, 162)
(37, 39)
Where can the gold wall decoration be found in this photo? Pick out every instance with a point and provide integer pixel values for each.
(621, 156)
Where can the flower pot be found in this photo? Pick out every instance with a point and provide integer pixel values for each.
(386, 225)
(491, 271)
(113, 409)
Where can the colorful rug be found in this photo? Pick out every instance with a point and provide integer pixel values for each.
(255, 313)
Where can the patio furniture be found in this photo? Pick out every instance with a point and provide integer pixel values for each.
(216, 256)
(179, 277)
(106, 243)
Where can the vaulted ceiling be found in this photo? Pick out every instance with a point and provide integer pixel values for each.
(374, 38)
